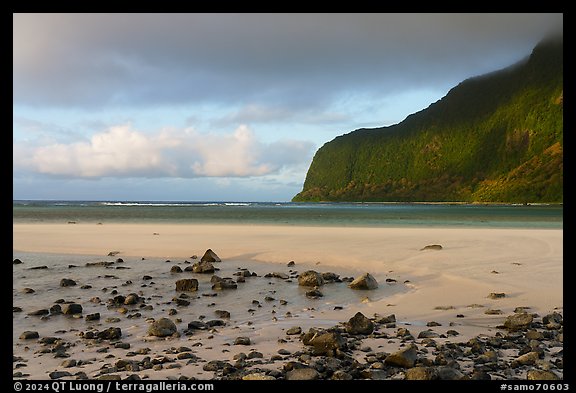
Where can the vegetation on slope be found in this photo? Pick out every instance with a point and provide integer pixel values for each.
(493, 138)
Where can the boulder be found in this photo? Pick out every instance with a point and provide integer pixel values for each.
(210, 256)
(518, 321)
(324, 342)
(16, 261)
(187, 285)
(365, 281)
(176, 269)
(405, 357)
(112, 333)
(71, 308)
(203, 267)
(310, 278)
(421, 374)
(163, 327)
(242, 341)
(29, 335)
(359, 324)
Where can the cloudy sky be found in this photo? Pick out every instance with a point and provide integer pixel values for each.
(228, 107)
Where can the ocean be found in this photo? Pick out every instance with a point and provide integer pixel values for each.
(542, 216)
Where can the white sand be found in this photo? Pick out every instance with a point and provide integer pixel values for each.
(525, 264)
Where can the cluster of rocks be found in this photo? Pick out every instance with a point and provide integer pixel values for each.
(526, 346)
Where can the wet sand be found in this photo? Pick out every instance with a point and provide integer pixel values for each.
(450, 287)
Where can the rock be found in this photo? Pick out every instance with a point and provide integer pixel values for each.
(314, 293)
(29, 335)
(291, 263)
(281, 275)
(324, 342)
(222, 314)
(258, 377)
(518, 321)
(341, 375)
(496, 295)
(43, 267)
(16, 261)
(197, 325)
(176, 269)
(93, 317)
(210, 256)
(41, 312)
(554, 318)
(527, 359)
(66, 282)
(302, 374)
(222, 283)
(131, 299)
(541, 375)
(162, 328)
(432, 247)
(294, 330)
(242, 341)
(386, 320)
(56, 309)
(59, 374)
(112, 333)
(421, 374)
(99, 264)
(330, 277)
(405, 357)
(310, 278)
(71, 309)
(187, 285)
(364, 282)
(428, 334)
(68, 363)
(449, 373)
(28, 290)
(359, 324)
(203, 267)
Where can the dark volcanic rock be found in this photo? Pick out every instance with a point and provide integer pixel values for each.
(210, 256)
(93, 317)
(222, 314)
(112, 333)
(314, 293)
(66, 282)
(496, 295)
(162, 328)
(29, 335)
(41, 312)
(242, 341)
(187, 285)
(365, 281)
(71, 308)
(176, 269)
(16, 261)
(359, 324)
(310, 278)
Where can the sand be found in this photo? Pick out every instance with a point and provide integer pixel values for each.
(450, 286)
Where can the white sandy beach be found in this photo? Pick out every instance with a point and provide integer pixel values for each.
(524, 264)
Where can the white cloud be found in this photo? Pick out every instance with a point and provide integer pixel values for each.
(121, 151)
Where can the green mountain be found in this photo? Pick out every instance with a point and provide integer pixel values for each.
(493, 138)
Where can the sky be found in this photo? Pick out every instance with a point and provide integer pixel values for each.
(228, 107)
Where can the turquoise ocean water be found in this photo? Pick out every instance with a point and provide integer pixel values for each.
(288, 213)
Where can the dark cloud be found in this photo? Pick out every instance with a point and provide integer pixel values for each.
(296, 60)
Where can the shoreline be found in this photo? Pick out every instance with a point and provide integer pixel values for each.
(450, 286)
